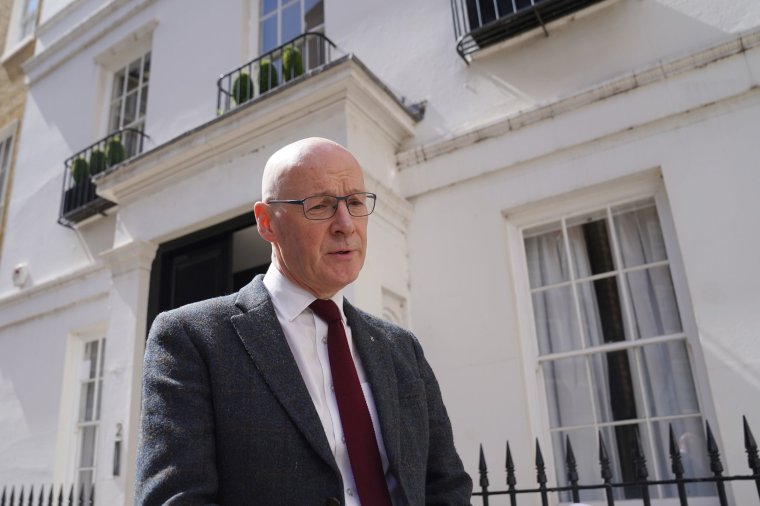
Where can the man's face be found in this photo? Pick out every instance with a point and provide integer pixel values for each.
(322, 256)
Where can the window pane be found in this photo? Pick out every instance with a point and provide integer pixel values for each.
(614, 391)
(130, 108)
(590, 245)
(545, 253)
(556, 320)
(666, 371)
(568, 392)
(146, 68)
(143, 100)
(620, 442)
(133, 77)
(268, 6)
(100, 397)
(91, 356)
(269, 34)
(314, 15)
(653, 300)
(291, 22)
(87, 401)
(602, 312)
(118, 84)
(114, 123)
(87, 446)
(639, 234)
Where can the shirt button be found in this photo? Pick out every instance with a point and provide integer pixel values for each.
(343, 439)
(332, 387)
(350, 492)
(324, 340)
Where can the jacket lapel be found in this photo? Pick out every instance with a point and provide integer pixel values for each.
(376, 357)
(262, 336)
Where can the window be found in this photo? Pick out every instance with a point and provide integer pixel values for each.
(6, 149)
(28, 18)
(90, 394)
(129, 101)
(283, 20)
(612, 349)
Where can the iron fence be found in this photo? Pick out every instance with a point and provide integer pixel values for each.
(85, 496)
(641, 484)
(78, 198)
(296, 58)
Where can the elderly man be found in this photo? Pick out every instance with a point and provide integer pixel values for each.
(284, 393)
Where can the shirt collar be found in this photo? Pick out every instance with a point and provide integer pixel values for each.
(291, 300)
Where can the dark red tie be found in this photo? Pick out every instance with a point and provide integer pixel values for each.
(354, 414)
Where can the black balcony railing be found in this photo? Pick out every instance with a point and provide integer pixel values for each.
(482, 23)
(295, 59)
(51, 496)
(79, 200)
(683, 485)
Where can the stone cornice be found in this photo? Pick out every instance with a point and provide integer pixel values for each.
(344, 81)
(129, 257)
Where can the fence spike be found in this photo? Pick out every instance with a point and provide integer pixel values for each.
(92, 494)
(2, 497)
(483, 470)
(511, 477)
(41, 499)
(31, 496)
(639, 460)
(753, 459)
(540, 466)
(13, 496)
(604, 460)
(572, 469)
(71, 495)
(21, 496)
(712, 450)
(60, 495)
(675, 455)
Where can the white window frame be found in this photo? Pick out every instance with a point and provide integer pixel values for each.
(68, 441)
(16, 38)
(647, 184)
(277, 12)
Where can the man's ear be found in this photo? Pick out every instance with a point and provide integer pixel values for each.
(263, 221)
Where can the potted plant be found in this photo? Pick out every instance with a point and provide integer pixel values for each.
(242, 88)
(98, 161)
(82, 191)
(115, 151)
(292, 63)
(268, 78)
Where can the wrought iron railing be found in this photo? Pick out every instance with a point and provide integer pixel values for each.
(293, 60)
(85, 496)
(640, 486)
(482, 23)
(78, 199)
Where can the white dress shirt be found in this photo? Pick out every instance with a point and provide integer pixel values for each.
(307, 338)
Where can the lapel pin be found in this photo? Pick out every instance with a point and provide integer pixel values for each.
(372, 338)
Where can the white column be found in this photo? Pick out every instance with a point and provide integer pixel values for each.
(130, 266)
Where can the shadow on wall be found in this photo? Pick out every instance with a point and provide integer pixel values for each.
(615, 40)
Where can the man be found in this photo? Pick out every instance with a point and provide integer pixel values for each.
(284, 393)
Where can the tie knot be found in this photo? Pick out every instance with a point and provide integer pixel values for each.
(326, 310)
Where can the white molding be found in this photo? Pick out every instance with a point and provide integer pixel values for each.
(78, 287)
(620, 85)
(83, 35)
(130, 256)
(224, 138)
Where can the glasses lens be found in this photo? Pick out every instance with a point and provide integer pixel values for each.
(320, 207)
(360, 204)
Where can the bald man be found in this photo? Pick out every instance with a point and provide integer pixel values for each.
(284, 393)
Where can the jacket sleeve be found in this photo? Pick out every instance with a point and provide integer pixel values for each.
(176, 449)
(446, 482)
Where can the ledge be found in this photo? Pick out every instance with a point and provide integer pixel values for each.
(344, 81)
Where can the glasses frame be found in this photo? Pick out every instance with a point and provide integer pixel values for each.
(344, 198)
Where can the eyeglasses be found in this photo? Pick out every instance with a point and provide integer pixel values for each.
(323, 207)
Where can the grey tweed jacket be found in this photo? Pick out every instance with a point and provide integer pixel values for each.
(227, 419)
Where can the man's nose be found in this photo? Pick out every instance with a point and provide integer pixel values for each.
(342, 220)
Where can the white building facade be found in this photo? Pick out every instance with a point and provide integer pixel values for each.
(566, 212)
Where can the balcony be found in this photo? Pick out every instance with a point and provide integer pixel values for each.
(78, 199)
(482, 23)
(290, 62)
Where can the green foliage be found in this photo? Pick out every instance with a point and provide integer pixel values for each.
(80, 170)
(242, 88)
(115, 151)
(98, 161)
(292, 63)
(268, 77)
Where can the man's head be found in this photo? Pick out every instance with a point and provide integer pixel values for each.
(321, 256)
